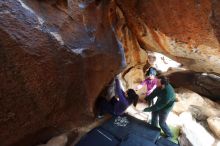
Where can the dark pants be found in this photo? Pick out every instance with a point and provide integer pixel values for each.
(107, 106)
(162, 122)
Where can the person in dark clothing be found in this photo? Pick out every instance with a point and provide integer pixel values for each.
(118, 106)
(163, 105)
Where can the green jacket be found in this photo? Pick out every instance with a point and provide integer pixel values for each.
(166, 98)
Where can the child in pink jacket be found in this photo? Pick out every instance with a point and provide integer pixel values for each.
(150, 82)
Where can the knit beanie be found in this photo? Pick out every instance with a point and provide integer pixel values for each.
(151, 71)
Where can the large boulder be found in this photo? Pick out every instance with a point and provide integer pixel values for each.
(56, 57)
(195, 133)
(203, 83)
(200, 107)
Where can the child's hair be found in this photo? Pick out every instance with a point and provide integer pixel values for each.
(164, 80)
(132, 96)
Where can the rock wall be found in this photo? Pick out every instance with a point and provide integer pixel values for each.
(187, 32)
(215, 18)
(56, 56)
(202, 83)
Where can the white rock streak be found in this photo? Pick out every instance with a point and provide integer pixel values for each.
(78, 50)
(40, 20)
(57, 37)
(25, 6)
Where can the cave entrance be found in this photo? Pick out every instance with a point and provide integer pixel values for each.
(162, 62)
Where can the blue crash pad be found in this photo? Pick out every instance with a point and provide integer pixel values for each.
(134, 140)
(164, 142)
(135, 126)
(130, 132)
(98, 137)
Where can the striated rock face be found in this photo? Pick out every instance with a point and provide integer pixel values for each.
(188, 32)
(55, 59)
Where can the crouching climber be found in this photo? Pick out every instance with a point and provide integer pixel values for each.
(117, 106)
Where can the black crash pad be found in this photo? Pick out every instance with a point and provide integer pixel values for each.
(146, 131)
(135, 126)
(164, 142)
(98, 137)
(132, 132)
(134, 140)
